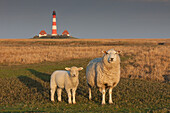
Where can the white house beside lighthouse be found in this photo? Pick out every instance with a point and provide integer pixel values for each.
(65, 33)
(42, 33)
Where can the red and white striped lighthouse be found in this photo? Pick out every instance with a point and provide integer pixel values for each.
(54, 25)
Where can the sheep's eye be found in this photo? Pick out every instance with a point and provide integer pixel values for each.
(107, 53)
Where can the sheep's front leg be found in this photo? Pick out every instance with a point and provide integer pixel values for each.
(59, 90)
(74, 94)
(69, 96)
(103, 95)
(110, 95)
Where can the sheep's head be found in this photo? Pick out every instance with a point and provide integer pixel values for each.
(111, 55)
(74, 71)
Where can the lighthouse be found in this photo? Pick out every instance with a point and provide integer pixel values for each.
(54, 25)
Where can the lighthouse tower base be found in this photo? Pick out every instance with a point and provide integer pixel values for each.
(54, 34)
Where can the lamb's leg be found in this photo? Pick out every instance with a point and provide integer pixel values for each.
(74, 94)
(59, 90)
(110, 95)
(69, 96)
(103, 95)
(52, 93)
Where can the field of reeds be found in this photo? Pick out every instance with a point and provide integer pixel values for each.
(26, 66)
(141, 58)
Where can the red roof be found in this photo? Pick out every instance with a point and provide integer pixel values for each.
(65, 32)
(42, 32)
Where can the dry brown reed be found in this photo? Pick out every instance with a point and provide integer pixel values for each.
(146, 62)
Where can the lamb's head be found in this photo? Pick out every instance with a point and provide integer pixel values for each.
(111, 55)
(74, 71)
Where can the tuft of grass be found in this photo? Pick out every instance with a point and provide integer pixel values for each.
(25, 88)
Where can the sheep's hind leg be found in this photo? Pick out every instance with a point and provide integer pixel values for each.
(89, 92)
(110, 95)
(59, 90)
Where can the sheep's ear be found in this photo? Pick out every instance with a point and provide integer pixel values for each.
(68, 69)
(80, 68)
(105, 52)
(118, 52)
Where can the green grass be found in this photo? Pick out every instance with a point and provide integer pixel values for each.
(25, 88)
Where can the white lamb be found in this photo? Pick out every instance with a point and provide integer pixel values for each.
(65, 79)
(104, 73)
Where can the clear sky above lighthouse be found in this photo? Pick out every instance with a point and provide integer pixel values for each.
(86, 18)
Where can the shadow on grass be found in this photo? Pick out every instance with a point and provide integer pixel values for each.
(96, 95)
(43, 76)
(33, 84)
(82, 92)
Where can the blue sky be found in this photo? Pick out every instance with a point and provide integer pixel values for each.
(86, 18)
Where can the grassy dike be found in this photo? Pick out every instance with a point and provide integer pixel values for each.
(26, 88)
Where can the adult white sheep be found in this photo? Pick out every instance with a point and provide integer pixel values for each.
(65, 79)
(104, 73)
